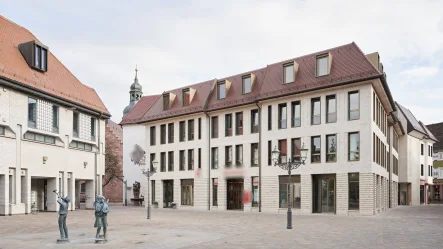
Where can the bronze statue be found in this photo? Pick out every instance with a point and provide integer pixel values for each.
(101, 212)
(63, 213)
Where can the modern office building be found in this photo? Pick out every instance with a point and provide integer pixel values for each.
(213, 140)
(52, 127)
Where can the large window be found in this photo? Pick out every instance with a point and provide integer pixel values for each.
(269, 117)
(315, 149)
(163, 162)
(269, 152)
(166, 101)
(282, 116)
(228, 156)
(187, 192)
(295, 151)
(246, 80)
(255, 191)
(41, 138)
(182, 133)
(162, 134)
(92, 129)
(199, 128)
(282, 147)
(288, 73)
(354, 191)
(421, 149)
(190, 129)
(221, 90)
(315, 111)
(254, 121)
(181, 160)
(75, 124)
(152, 191)
(239, 155)
(40, 58)
(190, 159)
(151, 159)
(171, 133)
(254, 154)
(214, 191)
(354, 105)
(55, 121)
(152, 135)
(171, 161)
(296, 114)
(331, 150)
(322, 65)
(239, 123)
(32, 113)
(331, 109)
(214, 127)
(354, 146)
(199, 158)
(294, 186)
(214, 161)
(422, 170)
(186, 96)
(228, 125)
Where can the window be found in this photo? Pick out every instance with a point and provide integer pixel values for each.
(181, 161)
(282, 147)
(171, 161)
(295, 152)
(395, 141)
(315, 149)
(373, 147)
(214, 161)
(353, 105)
(75, 125)
(354, 146)
(171, 133)
(228, 156)
(322, 65)
(162, 134)
(32, 113)
(429, 150)
(186, 96)
(74, 145)
(152, 191)
(162, 162)
(152, 158)
(214, 124)
(40, 58)
(269, 153)
(269, 117)
(254, 121)
(239, 155)
(228, 125)
(331, 109)
(166, 101)
(315, 111)
(255, 191)
(296, 114)
(282, 116)
(190, 130)
(83, 188)
(246, 84)
(331, 150)
(354, 191)
(187, 192)
(239, 123)
(55, 121)
(422, 170)
(182, 128)
(254, 154)
(221, 90)
(93, 129)
(214, 191)
(152, 135)
(199, 128)
(40, 138)
(421, 149)
(199, 158)
(2, 130)
(294, 186)
(288, 73)
(190, 159)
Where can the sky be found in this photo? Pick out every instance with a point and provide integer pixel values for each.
(178, 43)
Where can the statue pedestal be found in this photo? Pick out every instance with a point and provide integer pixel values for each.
(101, 240)
(62, 241)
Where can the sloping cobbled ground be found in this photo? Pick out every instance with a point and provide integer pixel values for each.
(402, 227)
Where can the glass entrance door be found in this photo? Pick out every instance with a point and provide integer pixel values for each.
(235, 194)
(324, 194)
(168, 193)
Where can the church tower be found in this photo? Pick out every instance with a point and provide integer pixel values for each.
(135, 94)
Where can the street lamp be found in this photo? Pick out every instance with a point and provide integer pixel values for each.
(289, 166)
(148, 173)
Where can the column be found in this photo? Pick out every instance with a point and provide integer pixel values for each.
(306, 193)
(158, 193)
(71, 189)
(4, 195)
(177, 192)
(90, 191)
(367, 193)
(342, 192)
(52, 184)
(26, 190)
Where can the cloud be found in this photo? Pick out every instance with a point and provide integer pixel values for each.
(421, 72)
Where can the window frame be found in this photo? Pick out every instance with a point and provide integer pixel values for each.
(171, 161)
(152, 138)
(243, 83)
(56, 119)
(184, 91)
(182, 131)
(228, 151)
(191, 159)
(254, 128)
(287, 65)
(182, 160)
(282, 121)
(293, 118)
(228, 125)
(218, 89)
(163, 134)
(162, 161)
(354, 110)
(317, 60)
(358, 146)
(214, 127)
(328, 153)
(93, 125)
(313, 101)
(269, 117)
(254, 158)
(328, 98)
(166, 101)
(215, 192)
(191, 130)
(295, 157)
(238, 125)
(38, 52)
(171, 133)
(239, 155)
(75, 124)
(214, 158)
(187, 187)
(354, 178)
(283, 157)
(313, 154)
(32, 121)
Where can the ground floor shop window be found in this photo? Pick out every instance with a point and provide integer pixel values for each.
(354, 189)
(255, 191)
(295, 188)
(214, 191)
(187, 192)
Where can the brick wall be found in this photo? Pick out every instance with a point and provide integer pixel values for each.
(114, 190)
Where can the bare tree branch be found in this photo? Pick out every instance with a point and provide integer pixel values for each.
(112, 167)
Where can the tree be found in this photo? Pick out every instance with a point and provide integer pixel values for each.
(112, 166)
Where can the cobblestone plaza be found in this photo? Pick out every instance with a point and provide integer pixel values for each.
(402, 227)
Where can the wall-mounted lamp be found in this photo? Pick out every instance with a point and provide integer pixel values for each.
(45, 158)
(85, 163)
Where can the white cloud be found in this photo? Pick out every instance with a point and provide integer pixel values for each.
(421, 71)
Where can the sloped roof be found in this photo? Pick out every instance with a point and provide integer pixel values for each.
(118, 131)
(412, 122)
(429, 133)
(57, 81)
(437, 131)
(140, 109)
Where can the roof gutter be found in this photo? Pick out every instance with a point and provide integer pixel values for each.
(16, 85)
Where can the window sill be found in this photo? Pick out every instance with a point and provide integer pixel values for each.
(356, 161)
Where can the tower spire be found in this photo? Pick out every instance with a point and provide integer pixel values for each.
(136, 70)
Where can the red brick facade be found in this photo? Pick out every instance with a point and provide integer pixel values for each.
(114, 142)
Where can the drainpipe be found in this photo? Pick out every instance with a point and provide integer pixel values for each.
(389, 163)
(209, 161)
(259, 156)
(96, 156)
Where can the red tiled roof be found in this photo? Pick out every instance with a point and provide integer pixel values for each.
(140, 109)
(57, 81)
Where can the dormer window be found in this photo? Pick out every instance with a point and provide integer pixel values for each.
(288, 73)
(186, 96)
(40, 58)
(166, 101)
(323, 64)
(247, 84)
(35, 54)
(221, 90)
